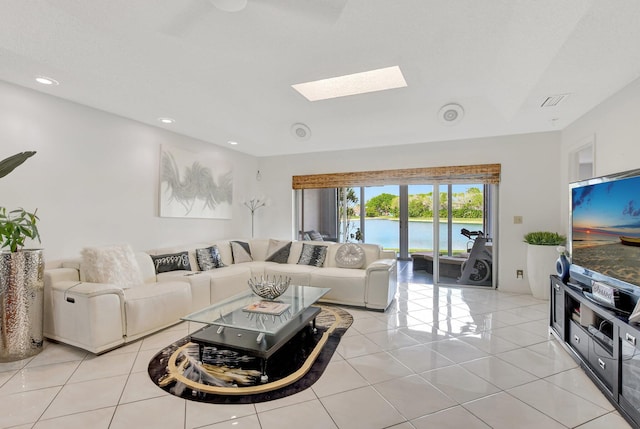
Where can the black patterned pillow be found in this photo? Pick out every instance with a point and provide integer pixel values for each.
(171, 262)
(312, 255)
(241, 252)
(209, 258)
(278, 251)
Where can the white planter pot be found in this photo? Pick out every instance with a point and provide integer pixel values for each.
(541, 262)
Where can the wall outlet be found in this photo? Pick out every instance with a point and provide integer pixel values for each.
(517, 220)
(519, 274)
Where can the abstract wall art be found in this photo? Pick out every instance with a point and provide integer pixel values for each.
(193, 186)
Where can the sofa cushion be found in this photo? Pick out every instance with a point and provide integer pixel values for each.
(300, 274)
(224, 247)
(347, 286)
(241, 252)
(111, 264)
(350, 255)
(171, 262)
(209, 258)
(312, 255)
(152, 306)
(147, 269)
(278, 251)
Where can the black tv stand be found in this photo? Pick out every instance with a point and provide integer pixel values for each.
(602, 342)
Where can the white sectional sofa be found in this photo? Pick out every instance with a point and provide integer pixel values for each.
(101, 316)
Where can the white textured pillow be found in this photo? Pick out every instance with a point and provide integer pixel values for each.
(111, 264)
(350, 255)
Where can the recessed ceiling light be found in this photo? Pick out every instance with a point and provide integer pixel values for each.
(352, 84)
(232, 143)
(46, 80)
(166, 120)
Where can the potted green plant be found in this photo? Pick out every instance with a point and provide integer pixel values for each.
(545, 238)
(21, 283)
(542, 254)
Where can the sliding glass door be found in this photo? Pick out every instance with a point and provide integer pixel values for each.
(465, 245)
(446, 215)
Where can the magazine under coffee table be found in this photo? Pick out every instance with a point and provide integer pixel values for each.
(260, 327)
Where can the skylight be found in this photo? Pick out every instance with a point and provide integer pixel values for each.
(352, 84)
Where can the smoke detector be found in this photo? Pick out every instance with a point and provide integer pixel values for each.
(451, 114)
(300, 131)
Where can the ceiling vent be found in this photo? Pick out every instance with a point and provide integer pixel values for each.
(451, 114)
(554, 100)
(300, 131)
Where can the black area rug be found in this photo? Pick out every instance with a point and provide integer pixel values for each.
(230, 377)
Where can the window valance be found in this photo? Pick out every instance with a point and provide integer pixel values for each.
(483, 173)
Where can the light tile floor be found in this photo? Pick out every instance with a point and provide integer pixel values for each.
(438, 358)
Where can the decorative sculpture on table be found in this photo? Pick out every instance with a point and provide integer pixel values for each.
(269, 288)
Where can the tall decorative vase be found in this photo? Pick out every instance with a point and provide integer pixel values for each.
(541, 263)
(21, 304)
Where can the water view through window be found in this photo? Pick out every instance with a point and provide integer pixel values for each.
(382, 216)
(386, 233)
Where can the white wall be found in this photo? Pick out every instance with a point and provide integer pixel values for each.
(529, 184)
(614, 125)
(94, 179)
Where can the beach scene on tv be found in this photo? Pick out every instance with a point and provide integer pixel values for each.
(606, 228)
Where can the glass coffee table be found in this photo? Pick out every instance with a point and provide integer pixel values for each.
(260, 327)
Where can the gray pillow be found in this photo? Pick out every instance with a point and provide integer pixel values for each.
(312, 255)
(209, 258)
(314, 235)
(278, 251)
(350, 255)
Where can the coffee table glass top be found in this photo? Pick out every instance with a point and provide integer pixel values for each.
(249, 312)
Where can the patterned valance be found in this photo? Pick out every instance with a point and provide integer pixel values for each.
(484, 173)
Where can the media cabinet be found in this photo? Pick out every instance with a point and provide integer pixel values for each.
(602, 342)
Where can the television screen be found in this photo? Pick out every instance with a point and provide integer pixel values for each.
(605, 230)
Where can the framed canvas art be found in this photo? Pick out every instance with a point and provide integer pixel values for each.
(193, 186)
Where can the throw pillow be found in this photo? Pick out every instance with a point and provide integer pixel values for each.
(209, 258)
(111, 264)
(312, 255)
(278, 251)
(314, 235)
(171, 262)
(241, 252)
(350, 255)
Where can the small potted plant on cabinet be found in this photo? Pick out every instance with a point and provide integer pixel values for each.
(542, 254)
(21, 278)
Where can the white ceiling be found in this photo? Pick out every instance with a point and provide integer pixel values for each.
(227, 76)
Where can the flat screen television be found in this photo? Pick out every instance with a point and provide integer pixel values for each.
(604, 239)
